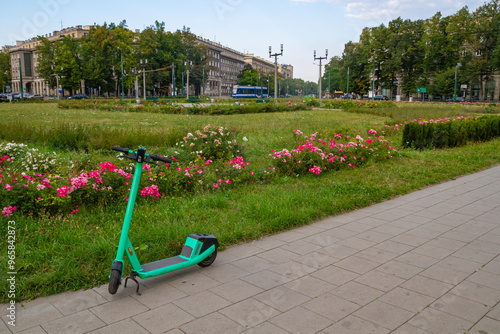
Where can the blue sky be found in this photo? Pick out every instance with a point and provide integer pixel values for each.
(247, 26)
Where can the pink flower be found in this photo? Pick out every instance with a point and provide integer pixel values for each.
(316, 170)
(107, 165)
(372, 132)
(151, 191)
(216, 185)
(74, 211)
(8, 210)
(63, 191)
(94, 174)
(8, 187)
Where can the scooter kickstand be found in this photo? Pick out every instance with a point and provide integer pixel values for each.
(132, 276)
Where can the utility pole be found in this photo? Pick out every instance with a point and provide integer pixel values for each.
(348, 81)
(275, 55)
(373, 81)
(121, 61)
(143, 64)
(21, 79)
(173, 81)
(456, 73)
(320, 90)
(187, 84)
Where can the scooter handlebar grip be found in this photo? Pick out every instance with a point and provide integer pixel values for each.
(158, 158)
(120, 149)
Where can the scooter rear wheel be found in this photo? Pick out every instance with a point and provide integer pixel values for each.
(209, 259)
(114, 281)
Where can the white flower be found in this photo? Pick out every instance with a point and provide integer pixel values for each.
(245, 139)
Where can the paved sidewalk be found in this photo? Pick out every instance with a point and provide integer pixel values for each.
(427, 262)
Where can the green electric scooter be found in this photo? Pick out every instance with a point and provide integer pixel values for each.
(200, 249)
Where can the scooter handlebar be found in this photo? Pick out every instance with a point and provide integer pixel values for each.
(120, 149)
(158, 158)
(155, 157)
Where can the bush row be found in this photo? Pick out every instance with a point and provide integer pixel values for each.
(195, 109)
(81, 137)
(450, 134)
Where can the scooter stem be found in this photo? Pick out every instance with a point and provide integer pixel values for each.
(130, 205)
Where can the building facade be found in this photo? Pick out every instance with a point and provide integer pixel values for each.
(221, 71)
(285, 71)
(224, 64)
(25, 57)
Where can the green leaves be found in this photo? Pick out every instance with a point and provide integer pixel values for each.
(5, 70)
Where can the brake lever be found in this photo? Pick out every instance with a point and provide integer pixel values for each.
(148, 160)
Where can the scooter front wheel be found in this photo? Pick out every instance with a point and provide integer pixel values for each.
(209, 259)
(114, 281)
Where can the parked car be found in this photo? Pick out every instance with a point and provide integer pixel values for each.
(348, 97)
(381, 97)
(35, 97)
(78, 97)
(17, 96)
(456, 99)
(3, 96)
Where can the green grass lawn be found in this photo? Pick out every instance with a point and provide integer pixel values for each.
(56, 254)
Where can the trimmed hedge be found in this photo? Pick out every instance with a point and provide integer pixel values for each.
(451, 133)
(197, 109)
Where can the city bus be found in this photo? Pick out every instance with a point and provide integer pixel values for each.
(249, 92)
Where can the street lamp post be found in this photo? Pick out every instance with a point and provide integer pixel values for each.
(261, 86)
(456, 73)
(373, 81)
(121, 61)
(187, 83)
(21, 79)
(57, 81)
(348, 81)
(173, 81)
(136, 86)
(268, 79)
(320, 59)
(275, 55)
(143, 64)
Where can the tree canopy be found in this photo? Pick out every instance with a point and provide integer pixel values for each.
(424, 53)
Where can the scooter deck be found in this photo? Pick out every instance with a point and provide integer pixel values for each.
(162, 263)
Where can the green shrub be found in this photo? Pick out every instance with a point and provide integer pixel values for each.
(450, 133)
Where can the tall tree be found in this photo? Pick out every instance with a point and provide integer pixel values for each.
(5, 70)
(47, 62)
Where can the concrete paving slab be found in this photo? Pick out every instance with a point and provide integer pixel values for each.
(461, 307)
(236, 291)
(357, 293)
(438, 322)
(76, 323)
(163, 318)
(384, 315)
(202, 303)
(301, 320)
(355, 325)
(485, 326)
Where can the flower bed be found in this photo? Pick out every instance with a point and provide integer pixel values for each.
(317, 154)
(211, 161)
